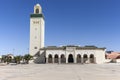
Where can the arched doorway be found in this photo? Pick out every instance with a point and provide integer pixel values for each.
(78, 58)
(70, 58)
(49, 58)
(56, 58)
(63, 59)
(92, 58)
(85, 58)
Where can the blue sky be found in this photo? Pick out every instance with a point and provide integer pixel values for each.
(67, 22)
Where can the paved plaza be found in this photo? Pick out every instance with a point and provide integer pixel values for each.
(60, 72)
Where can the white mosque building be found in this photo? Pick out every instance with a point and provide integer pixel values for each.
(63, 54)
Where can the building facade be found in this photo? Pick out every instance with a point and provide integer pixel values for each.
(53, 54)
(74, 54)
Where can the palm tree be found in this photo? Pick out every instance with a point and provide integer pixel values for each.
(3, 59)
(27, 58)
(8, 59)
(17, 59)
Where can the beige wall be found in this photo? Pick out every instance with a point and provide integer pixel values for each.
(98, 54)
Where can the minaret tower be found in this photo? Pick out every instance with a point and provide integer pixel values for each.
(37, 26)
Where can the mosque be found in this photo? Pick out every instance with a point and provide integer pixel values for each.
(62, 54)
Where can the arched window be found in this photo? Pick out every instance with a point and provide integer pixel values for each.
(49, 58)
(78, 58)
(56, 58)
(92, 58)
(85, 58)
(63, 59)
(37, 11)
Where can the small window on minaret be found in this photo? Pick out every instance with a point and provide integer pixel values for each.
(35, 47)
(37, 11)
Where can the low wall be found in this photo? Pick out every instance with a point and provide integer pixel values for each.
(108, 60)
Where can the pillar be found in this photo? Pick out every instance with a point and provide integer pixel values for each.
(52, 60)
(89, 60)
(75, 61)
(94, 59)
(46, 60)
(82, 60)
(59, 60)
(66, 59)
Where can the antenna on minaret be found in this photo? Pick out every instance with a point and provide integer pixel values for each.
(36, 1)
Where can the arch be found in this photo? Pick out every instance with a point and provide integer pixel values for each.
(92, 59)
(49, 58)
(118, 57)
(85, 58)
(78, 58)
(105, 56)
(37, 10)
(63, 59)
(70, 58)
(56, 58)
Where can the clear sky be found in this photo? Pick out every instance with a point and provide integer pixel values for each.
(67, 22)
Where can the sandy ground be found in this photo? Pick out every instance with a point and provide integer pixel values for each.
(60, 72)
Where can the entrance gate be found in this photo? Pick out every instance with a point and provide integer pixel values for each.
(70, 58)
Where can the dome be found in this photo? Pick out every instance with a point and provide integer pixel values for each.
(37, 4)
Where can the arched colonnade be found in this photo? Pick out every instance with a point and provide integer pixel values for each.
(71, 59)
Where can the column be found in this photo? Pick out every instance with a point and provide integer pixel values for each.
(46, 60)
(82, 60)
(89, 60)
(53, 60)
(59, 60)
(94, 59)
(66, 59)
(75, 61)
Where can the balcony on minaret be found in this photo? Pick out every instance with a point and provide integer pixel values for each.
(37, 12)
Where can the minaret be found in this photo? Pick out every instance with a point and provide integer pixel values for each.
(37, 26)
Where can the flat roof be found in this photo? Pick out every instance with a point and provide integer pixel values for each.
(76, 47)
